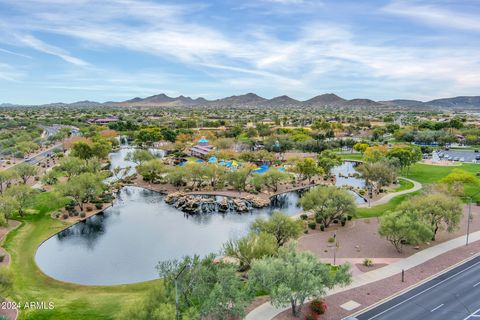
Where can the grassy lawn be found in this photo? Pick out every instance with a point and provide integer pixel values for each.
(428, 174)
(381, 209)
(403, 185)
(71, 301)
(350, 156)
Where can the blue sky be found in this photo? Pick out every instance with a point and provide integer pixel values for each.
(61, 50)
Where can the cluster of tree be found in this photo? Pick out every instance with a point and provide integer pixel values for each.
(211, 175)
(21, 141)
(419, 219)
(15, 199)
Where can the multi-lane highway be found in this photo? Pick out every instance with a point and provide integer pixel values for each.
(454, 295)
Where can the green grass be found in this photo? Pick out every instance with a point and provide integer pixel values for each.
(381, 209)
(403, 185)
(350, 156)
(71, 301)
(429, 174)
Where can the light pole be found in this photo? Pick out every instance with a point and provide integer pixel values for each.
(334, 248)
(177, 314)
(469, 217)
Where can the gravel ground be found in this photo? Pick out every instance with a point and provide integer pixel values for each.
(360, 239)
(374, 292)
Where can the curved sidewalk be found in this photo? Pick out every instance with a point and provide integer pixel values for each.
(416, 186)
(267, 311)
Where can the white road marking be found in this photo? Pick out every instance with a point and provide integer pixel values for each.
(429, 288)
(476, 284)
(473, 314)
(437, 307)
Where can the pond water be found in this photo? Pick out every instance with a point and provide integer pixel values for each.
(345, 175)
(125, 242)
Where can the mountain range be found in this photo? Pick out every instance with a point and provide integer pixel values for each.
(253, 100)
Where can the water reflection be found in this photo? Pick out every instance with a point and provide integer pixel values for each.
(124, 244)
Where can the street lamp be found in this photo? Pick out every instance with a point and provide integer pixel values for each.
(469, 218)
(177, 314)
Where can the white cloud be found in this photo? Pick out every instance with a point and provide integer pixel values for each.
(433, 14)
(15, 53)
(10, 73)
(49, 49)
(312, 57)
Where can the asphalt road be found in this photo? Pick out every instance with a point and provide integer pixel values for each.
(42, 155)
(454, 295)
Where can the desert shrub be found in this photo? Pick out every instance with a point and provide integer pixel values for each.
(312, 225)
(331, 240)
(82, 215)
(2, 257)
(322, 227)
(89, 208)
(318, 219)
(349, 217)
(367, 262)
(303, 216)
(65, 216)
(98, 206)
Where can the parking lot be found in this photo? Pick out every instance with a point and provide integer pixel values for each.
(459, 155)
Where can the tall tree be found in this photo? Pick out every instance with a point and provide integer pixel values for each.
(272, 178)
(293, 276)
(8, 205)
(377, 174)
(327, 160)
(401, 227)
(207, 290)
(139, 155)
(440, 210)
(72, 166)
(328, 203)
(6, 178)
(252, 246)
(308, 168)
(281, 226)
(22, 194)
(25, 171)
(83, 188)
(406, 155)
(152, 170)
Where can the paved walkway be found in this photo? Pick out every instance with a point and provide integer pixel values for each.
(267, 311)
(416, 186)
